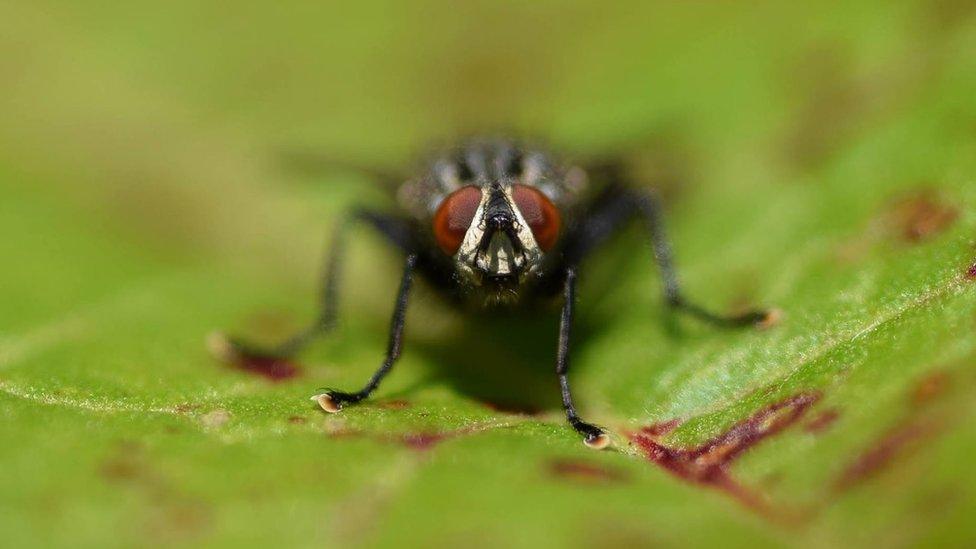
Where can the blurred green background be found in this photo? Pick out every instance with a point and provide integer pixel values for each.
(820, 158)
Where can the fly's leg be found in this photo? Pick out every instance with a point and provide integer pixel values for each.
(396, 230)
(323, 324)
(332, 400)
(649, 209)
(593, 436)
(619, 205)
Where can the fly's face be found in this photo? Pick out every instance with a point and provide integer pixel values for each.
(494, 212)
(497, 234)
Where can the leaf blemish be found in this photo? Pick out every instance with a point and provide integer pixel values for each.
(895, 443)
(428, 440)
(185, 408)
(397, 404)
(930, 387)
(708, 463)
(662, 428)
(576, 470)
(423, 441)
(123, 464)
(921, 216)
(910, 218)
(823, 421)
(971, 272)
(420, 441)
(415, 441)
(901, 439)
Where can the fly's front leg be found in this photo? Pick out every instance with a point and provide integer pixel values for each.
(593, 436)
(332, 400)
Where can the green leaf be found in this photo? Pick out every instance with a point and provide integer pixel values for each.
(818, 160)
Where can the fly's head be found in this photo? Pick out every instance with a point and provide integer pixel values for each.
(496, 216)
(497, 235)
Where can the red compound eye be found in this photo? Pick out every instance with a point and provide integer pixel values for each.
(540, 213)
(454, 216)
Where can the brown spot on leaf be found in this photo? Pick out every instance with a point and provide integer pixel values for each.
(185, 407)
(123, 464)
(427, 440)
(897, 442)
(423, 441)
(661, 428)
(185, 518)
(903, 438)
(910, 218)
(174, 516)
(585, 471)
(929, 388)
(397, 404)
(922, 215)
(297, 420)
(708, 464)
(117, 469)
(971, 272)
(822, 421)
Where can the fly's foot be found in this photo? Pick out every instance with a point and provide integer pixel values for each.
(332, 401)
(597, 442)
(593, 436)
(222, 347)
(769, 318)
(760, 318)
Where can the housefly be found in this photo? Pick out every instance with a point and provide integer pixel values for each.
(496, 224)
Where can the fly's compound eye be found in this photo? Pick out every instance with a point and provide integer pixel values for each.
(454, 216)
(540, 213)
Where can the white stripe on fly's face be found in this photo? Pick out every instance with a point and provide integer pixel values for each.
(500, 257)
(531, 249)
(468, 252)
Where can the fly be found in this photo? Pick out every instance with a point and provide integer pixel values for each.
(494, 224)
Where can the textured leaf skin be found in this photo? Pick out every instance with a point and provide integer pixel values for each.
(820, 159)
